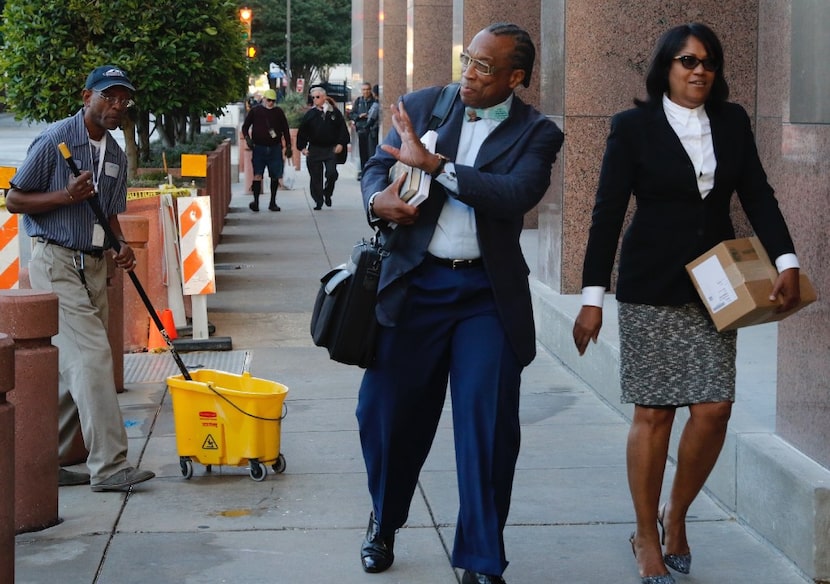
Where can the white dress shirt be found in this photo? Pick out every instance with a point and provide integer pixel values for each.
(455, 235)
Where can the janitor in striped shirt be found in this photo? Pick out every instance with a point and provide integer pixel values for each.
(68, 260)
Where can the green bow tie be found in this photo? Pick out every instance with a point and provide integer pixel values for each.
(497, 112)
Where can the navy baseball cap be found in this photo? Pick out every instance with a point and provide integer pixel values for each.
(107, 76)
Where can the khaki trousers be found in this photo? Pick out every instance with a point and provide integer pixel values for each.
(86, 386)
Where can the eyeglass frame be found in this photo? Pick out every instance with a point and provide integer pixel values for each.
(320, 95)
(112, 100)
(709, 64)
(481, 67)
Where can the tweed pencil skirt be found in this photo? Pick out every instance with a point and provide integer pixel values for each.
(674, 356)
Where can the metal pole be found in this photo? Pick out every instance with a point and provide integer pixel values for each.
(288, 44)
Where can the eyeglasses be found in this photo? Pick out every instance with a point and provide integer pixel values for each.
(481, 67)
(126, 102)
(691, 62)
(316, 97)
(269, 99)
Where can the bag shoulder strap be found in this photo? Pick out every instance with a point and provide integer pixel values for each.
(439, 113)
(443, 105)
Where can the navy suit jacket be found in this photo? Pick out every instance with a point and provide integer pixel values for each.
(510, 176)
(671, 224)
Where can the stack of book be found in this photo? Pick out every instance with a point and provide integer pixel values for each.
(415, 189)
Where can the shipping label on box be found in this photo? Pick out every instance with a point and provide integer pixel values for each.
(735, 279)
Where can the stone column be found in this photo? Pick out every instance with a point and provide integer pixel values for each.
(550, 71)
(392, 52)
(793, 134)
(371, 38)
(30, 317)
(6, 460)
(136, 230)
(429, 51)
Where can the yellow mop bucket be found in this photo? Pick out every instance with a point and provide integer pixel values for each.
(227, 419)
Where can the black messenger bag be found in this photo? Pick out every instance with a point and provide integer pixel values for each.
(343, 319)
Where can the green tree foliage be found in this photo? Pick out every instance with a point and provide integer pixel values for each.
(321, 35)
(185, 57)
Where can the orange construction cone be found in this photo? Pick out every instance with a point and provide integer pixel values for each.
(169, 325)
(156, 341)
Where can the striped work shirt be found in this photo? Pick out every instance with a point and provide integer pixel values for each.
(45, 170)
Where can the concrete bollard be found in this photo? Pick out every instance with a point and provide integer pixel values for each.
(30, 317)
(136, 230)
(6, 460)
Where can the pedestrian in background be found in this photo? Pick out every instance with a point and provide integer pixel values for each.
(322, 136)
(362, 123)
(681, 152)
(68, 260)
(265, 129)
(374, 122)
(454, 300)
(245, 153)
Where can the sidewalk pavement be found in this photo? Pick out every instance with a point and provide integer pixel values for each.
(571, 514)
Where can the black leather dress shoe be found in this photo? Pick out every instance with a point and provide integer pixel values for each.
(376, 553)
(476, 578)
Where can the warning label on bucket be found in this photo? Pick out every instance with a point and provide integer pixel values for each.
(210, 443)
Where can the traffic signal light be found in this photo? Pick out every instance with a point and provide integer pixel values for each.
(251, 51)
(246, 16)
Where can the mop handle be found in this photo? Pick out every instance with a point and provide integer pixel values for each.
(102, 219)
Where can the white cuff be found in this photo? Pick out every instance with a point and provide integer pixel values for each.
(786, 261)
(448, 178)
(370, 213)
(593, 296)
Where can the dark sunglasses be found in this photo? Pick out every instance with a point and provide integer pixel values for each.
(691, 62)
(268, 99)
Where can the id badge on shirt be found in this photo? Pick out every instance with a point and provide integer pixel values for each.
(97, 236)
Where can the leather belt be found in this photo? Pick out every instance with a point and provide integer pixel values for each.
(95, 253)
(456, 264)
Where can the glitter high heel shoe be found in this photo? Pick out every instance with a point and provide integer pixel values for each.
(681, 563)
(664, 579)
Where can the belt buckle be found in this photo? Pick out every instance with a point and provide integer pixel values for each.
(459, 263)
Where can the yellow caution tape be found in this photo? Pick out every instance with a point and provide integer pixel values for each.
(149, 193)
(133, 195)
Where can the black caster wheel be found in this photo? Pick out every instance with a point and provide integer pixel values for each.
(187, 467)
(279, 465)
(258, 471)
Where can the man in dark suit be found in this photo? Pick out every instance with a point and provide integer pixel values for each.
(322, 137)
(362, 123)
(454, 301)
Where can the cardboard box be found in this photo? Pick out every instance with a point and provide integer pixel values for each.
(734, 280)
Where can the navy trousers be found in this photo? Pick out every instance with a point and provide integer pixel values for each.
(449, 330)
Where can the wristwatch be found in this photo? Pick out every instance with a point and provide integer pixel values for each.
(443, 160)
(370, 211)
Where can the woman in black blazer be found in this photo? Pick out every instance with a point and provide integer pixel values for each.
(682, 153)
